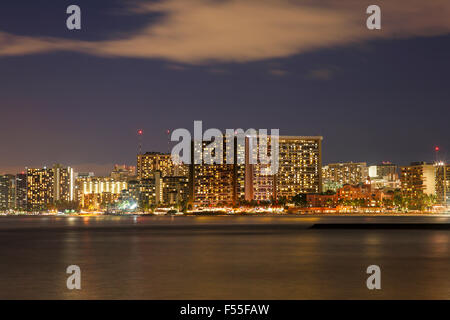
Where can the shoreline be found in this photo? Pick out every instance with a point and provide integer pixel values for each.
(246, 214)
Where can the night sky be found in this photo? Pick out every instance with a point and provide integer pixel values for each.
(78, 97)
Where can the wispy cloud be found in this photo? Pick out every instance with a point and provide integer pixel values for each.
(176, 67)
(202, 31)
(218, 71)
(321, 74)
(278, 72)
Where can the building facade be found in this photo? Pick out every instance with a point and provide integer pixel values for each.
(21, 191)
(299, 170)
(384, 176)
(346, 173)
(384, 169)
(259, 183)
(175, 190)
(96, 193)
(151, 162)
(40, 189)
(417, 179)
(7, 192)
(150, 191)
(443, 183)
(218, 183)
(355, 195)
(63, 183)
(300, 166)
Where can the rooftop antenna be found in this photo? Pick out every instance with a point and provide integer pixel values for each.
(168, 141)
(140, 133)
(436, 150)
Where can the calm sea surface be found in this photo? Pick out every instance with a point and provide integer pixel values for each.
(222, 258)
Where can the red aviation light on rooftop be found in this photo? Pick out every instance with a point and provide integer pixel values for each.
(436, 148)
(140, 132)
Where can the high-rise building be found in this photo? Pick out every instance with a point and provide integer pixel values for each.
(300, 166)
(218, 183)
(260, 186)
(443, 183)
(418, 178)
(21, 191)
(212, 184)
(7, 192)
(150, 191)
(259, 182)
(63, 183)
(346, 173)
(175, 189)
(40, 188)
(151, 162)
(47, 186)
(299, 171)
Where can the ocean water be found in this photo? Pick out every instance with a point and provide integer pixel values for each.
(225, 257)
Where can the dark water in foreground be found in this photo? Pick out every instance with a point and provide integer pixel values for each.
(221, 258)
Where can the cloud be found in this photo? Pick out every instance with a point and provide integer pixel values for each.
(218, 71)
(321, 74)
(278, 72)
(203, 31)
(13, 45)
(176, 67)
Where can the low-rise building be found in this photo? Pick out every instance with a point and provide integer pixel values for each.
(356, 195)
(96, 193)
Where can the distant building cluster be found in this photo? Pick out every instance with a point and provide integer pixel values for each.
(157, 180)
(37, 188)
(383, 176)
(382, 184)
(300, 171)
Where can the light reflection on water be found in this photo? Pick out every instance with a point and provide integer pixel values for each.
(220, 258)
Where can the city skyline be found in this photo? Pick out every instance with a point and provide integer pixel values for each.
(301, 181)
(105, 169)
(215, 158)
(373, 96)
